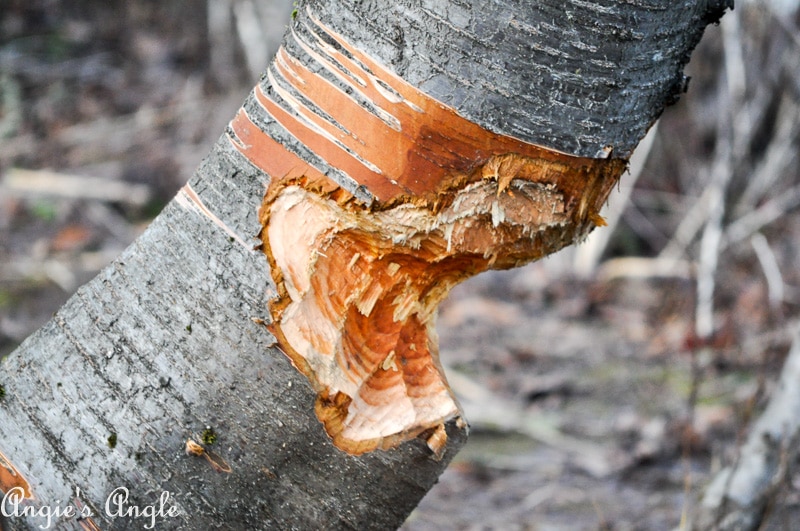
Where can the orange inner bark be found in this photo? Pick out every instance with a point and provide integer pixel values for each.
(424, 199)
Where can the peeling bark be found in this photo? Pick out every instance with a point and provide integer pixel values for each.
(472, 135)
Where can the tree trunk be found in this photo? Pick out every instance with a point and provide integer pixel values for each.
(392, 150)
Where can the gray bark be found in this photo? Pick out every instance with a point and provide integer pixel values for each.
(570, 75)
(162, 344)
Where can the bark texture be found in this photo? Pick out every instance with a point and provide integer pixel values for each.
(165, 345)
(161, 346)
(571, 75)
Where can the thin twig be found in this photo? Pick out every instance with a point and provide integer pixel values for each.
(251, 36)
(775, 161)
(769, 264)
(709, 250)
(757, 219)
(721, 176)
(643, 268)
(49, 183)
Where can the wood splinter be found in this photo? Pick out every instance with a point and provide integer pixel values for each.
(361, 263)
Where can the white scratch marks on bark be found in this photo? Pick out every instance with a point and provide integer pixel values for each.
(188, 199)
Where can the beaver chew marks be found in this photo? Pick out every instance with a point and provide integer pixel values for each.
(359, 289)
(381, 199)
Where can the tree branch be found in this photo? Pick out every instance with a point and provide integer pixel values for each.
(739, 495)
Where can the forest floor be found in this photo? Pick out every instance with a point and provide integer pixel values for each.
(592, 403)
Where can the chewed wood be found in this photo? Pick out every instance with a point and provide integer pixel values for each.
(359, 281)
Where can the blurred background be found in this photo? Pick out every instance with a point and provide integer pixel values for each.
(604, 385)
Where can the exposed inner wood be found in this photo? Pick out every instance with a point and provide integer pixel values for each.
(408, 200)
(359, 288)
